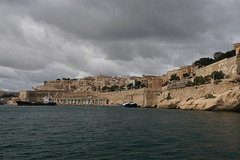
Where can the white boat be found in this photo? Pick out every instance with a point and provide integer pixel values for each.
(130, 104)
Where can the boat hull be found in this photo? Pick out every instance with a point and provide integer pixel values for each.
(22, 103)
(130, 105)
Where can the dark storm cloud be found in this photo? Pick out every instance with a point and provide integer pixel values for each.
(49, 39)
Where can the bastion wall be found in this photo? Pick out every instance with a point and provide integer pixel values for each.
(229, 66)
(146, 97)
(196, 92)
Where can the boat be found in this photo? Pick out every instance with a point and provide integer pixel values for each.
(130, 104)
(47, 101)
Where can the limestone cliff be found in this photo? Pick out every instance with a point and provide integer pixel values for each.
(227, 98)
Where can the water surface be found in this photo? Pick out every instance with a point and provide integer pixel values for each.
(117, 133)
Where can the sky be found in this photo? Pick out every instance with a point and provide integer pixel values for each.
(48, 39)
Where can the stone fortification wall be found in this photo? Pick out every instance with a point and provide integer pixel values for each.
(210, 97)
(143, 97)
(228, 66)
(197, 91)
(48, 88)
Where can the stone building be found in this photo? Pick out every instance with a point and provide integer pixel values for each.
(152, 81)
(185, 70)
(236, 46)
(145, 97)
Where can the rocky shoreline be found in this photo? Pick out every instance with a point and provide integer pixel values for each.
(228, 100)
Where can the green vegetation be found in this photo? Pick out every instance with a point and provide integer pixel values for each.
(65, 78)
(209, 96)
(7, 95)
(217, 75)
(168, 97)
(202, 62)
(219, 56)
(114, 88)
(137, 85)
(207, 78)
(190, 83)
(189, 99)
(174, 77)
(199, 80)
(105, 88)
(129, 86)
(185, 75)
(166, 83)
(143, 85)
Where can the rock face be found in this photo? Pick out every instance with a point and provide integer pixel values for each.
(226, 101)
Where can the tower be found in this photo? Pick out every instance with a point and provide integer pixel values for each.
(236, 46)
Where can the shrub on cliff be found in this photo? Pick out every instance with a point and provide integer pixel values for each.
(189, 83)
(209, 96)
(185, 75)
(217, 75)
(114, 88)
(105, 88)
(138, 85)
(199, 80)
(129, 86)
(143, 85)
(189, 99)
(166, 83)
(208, 79)
(174, 77)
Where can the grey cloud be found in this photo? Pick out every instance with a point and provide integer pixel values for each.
(48, 39)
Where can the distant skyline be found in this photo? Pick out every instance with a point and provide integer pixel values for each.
(49, 39)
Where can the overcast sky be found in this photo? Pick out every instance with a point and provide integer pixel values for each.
(49, 39)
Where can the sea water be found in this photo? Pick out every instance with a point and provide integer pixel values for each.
(117, 133)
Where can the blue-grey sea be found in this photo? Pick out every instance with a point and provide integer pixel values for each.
(117, 133)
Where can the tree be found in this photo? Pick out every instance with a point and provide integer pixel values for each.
(58, 79)
(137, 84)
(207, 78)
(114, 88)
(105, 88)
(199, 80)
(129, 86)
(174, 77)
(217, 55)
(143, 85)
(65, 78)
(202, 62)
(217, 75)
(185, 75)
